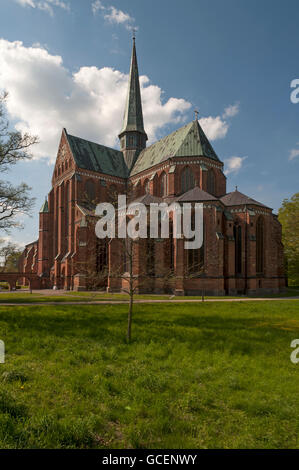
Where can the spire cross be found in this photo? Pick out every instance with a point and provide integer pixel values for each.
(196, 112)
(134, 30)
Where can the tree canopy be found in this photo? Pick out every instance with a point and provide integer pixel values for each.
(9, 256)
(14, 147)
(289, 218)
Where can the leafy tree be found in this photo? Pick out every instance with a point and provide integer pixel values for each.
(289, 217)
(9, 256)
(14, 147)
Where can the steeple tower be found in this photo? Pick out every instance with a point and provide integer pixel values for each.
(133, 136)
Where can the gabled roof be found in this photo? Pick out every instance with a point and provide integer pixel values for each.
(235, 198)
(188, 141)
(133, 117)
(95, 157)
(196, 194)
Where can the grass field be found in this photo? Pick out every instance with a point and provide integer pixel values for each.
(195, 376)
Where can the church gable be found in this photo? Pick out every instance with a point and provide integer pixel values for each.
(64, 161)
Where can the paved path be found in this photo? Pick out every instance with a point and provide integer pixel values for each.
(119, 302)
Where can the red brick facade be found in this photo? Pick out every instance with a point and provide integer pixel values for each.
(242, 251)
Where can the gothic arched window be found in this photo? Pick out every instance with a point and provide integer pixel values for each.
(163, 184)
(150, 255)
(67, 200)
(90, 191)
(211, 181)
(101, 256)
(238, 248)
(146, 186)
(187, 179)
(260, 246)
(169, 249)
(131, 141)
(195, 257)
(112, 193)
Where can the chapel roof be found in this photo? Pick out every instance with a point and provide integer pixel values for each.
(195, 194)
(235, 198)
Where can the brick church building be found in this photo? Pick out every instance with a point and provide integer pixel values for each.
(242, 250)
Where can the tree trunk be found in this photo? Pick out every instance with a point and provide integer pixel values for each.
(131, 291)
(129, 335)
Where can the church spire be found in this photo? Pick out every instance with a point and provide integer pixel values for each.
(133, 136)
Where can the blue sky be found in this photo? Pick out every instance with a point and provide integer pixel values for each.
(64, 63)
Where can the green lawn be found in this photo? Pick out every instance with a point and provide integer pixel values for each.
(195, 376)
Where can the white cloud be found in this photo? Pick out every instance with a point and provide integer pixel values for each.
(96, 6)
(113, 15)
(26, 3)
(214, 127)
(44, 97)
(293, 154)
(231, 111)
(118, 16)
(217, 127)
(45, 5)
(233, 164)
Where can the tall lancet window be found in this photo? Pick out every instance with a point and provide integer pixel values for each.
(260, 246)
(90, 191)
(101, 256)
(146, 186)
(211, 181)
(196, 257)
(238, 248)
(187, 179)
(163, 184)
(150, 255)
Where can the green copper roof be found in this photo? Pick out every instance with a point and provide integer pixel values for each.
(45, 207)
(188, 141)
(133, 117)
(95, 157)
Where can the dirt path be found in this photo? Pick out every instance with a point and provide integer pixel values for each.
(119, 302)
